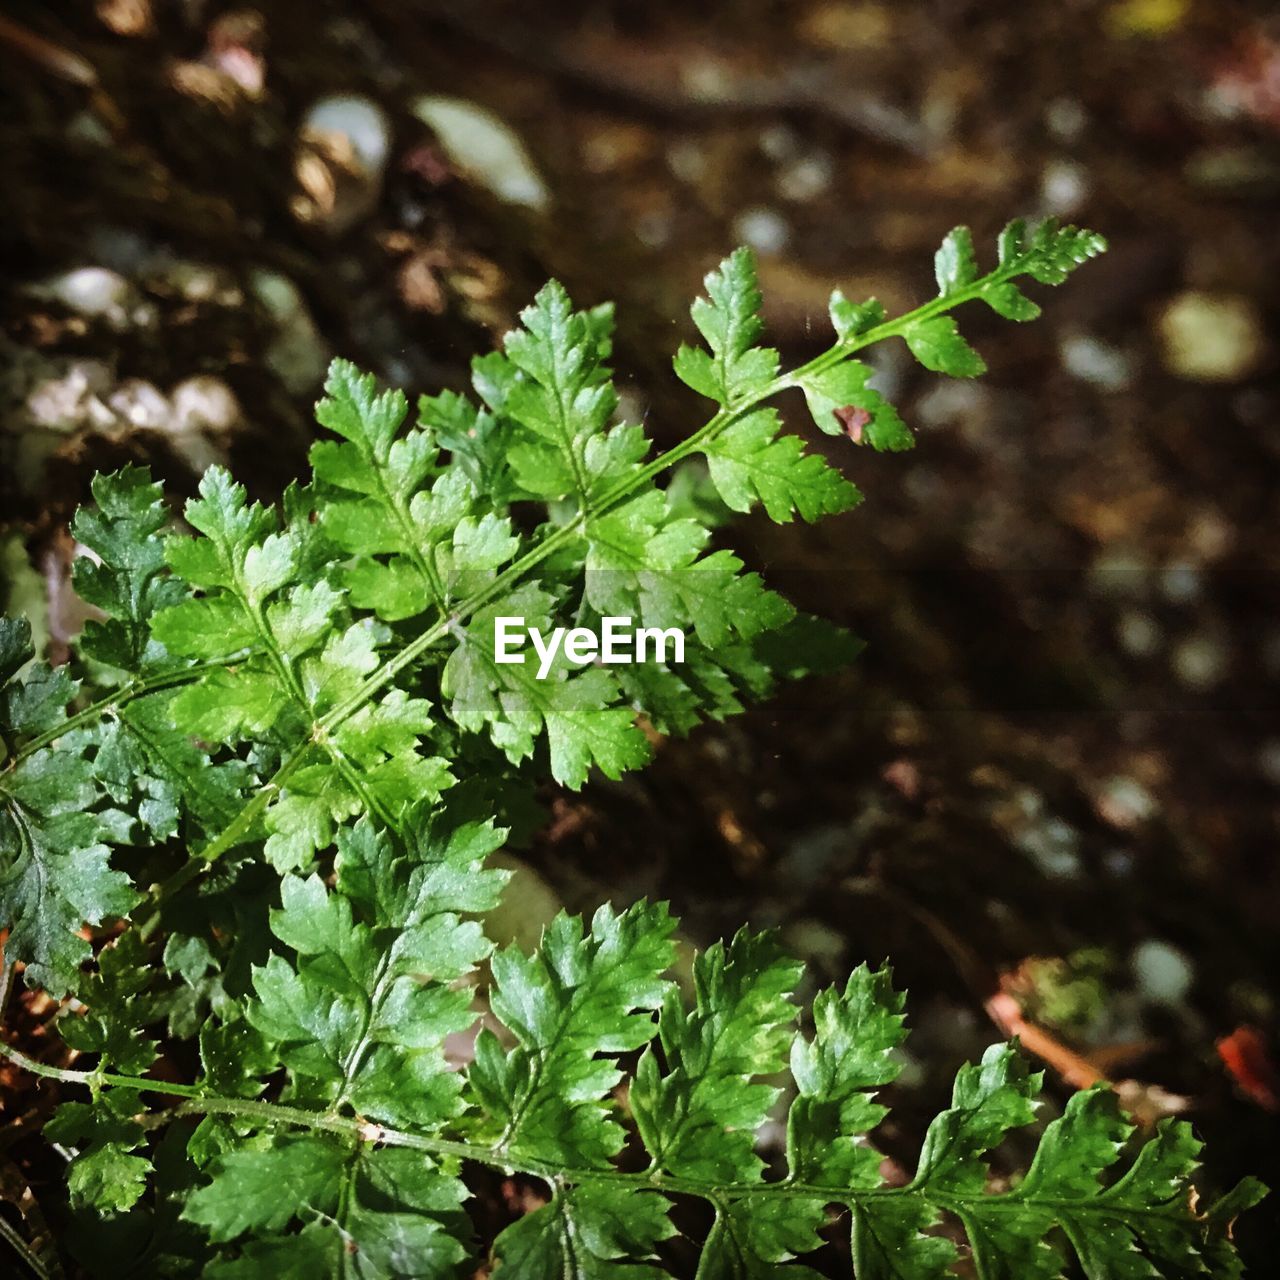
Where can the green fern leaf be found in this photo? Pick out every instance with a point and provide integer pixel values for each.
(729, 319)
(583, 995)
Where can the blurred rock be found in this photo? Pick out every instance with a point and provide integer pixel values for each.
(363, 123)
(205, 403)
(480, 145)
(123, 249)
(1054, 846)
(1209, 535)
(1064, 187)
(1199, 661)
(1065, 119)
(1139, 634)
(1208, 337)
(297, 355)
(847, 27)
(237, 47)
(765, 230)
(1162, 971)
(137, 403)
(1096, 362)
(687, 160)
(815, 852)
(779, 143)
(69, 398)
(1248, 80)
(195, 281)
(1148, 1103)
(815, 942)
(1118, 863)
(952, 402)
(93, 292)
(126, 17)
(341, 156)
(804, 178)
(1180, 583)
(207, 86)
(1125, 803)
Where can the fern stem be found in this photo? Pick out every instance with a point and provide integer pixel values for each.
(147, 919)
(137, 687)
(196, 1102)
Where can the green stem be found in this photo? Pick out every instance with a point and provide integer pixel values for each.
(138, 687)
(196, 1102)
(147, 919)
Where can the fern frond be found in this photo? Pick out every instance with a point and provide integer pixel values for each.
(254, 816)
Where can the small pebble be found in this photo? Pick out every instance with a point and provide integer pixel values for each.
(204, 403)
(1180, 583)
(607, 148)
(142, 405)
(1234, 170)
(1163, 972)
(1125, 803)
(950, 401)
(1053, 845)
(845, 27)
(765, 230)
(804, 178)
(481, 145)
(122, 249)
(1065, 119)
(815, 941)
(339, 162)
(1096, 362)
(297, 355)
(67, 401)
(815, 852)
(687, 159)
(95, 292)
(654, 228)
(362, 122)
(1064, 187)
(1199, 662)
(200, 282)
(1139, 633)
(779, 143)
(1208, 337)
(529, 903)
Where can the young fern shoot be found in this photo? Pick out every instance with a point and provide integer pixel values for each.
(251, 820)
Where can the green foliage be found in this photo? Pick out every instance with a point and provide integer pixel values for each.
(235, 826)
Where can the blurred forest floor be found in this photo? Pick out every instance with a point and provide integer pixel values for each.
(1050, 788)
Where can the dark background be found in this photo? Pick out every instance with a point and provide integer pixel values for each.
(1052, 779)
